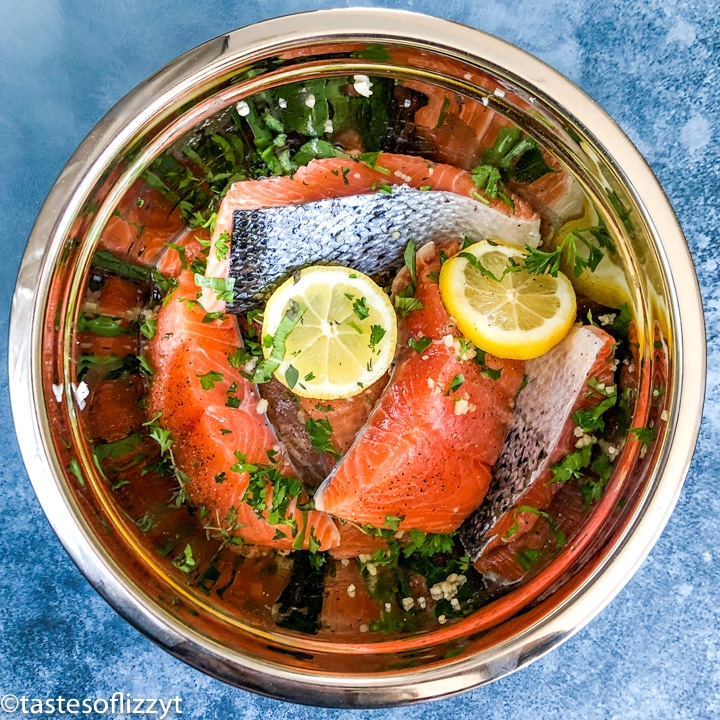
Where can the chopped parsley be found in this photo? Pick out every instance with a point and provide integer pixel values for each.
(180, 250)
(590, 419)
(291, 376)
(320, 432)
(212, 316)
(410, 257)
(265, 369)
(488, 179)
(238, 357)
(145, 367)
(455, 383)
(427, 544)
(476, 263)
(285, 489)
(165, 441)
(208, 380)
(486, 370)
(185, 561)
(405, 303)
(370, 159)
(513, 156)
(117, 449)
(420, 345)
(102, 325)
(571, 465)
(222, 246)
(148, 326)
(592, 489)
(224, 288)
(377, 333)
(645, 435)
(361, 309)
(392, 522)
(539, 262)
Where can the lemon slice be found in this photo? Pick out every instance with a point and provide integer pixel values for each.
(606, 284)
(515, 315)
(333, 331)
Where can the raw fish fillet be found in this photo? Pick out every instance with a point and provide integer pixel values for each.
(207, 431)
(367, 232)
(343, 177)
(510, 562)
(425, 453)
(542, 432)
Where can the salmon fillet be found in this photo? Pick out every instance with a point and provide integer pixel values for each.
(425, 453)
(343, 177)
(542, 433)
(215, 438)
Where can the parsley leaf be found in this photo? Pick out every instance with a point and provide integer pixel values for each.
(590, 419)
(455, 383)
(266, 368)
(102, 325)
(361, 309)
(185, 561)
(239, 356)
(405, 305)
(392, 522)
(208, 380)
(595, 239)
(223, 287)
(320, 432)
(475, 262)
(420, 345)
(645, 435)
(148, 326)
(222, 246)
(377, 333)
(292, 376)
(571, 465)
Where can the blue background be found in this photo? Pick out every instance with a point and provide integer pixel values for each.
(653, 65)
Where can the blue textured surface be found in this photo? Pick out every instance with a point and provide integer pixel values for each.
(655, 651)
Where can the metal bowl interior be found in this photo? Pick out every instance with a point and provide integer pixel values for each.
(221, 621)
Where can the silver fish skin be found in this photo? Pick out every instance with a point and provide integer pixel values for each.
(537, 433)
(367, 232)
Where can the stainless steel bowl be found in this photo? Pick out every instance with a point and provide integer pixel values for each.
(230, 638)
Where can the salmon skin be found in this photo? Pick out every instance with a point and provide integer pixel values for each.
(367, 232)
(541, 433)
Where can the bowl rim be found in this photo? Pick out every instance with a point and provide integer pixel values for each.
(159, 94)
